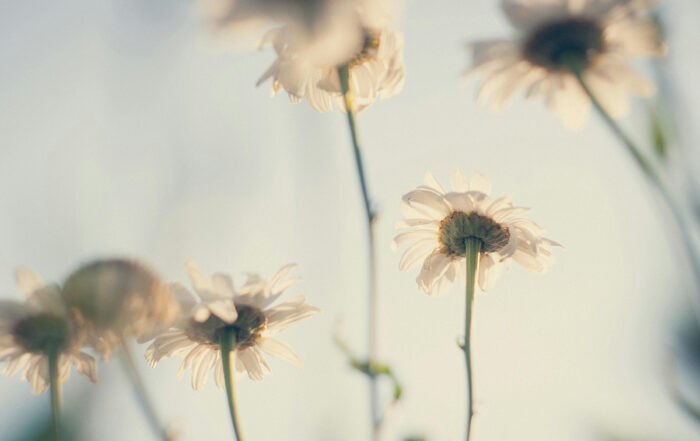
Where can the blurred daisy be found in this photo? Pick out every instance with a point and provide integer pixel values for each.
(117, 298)
(37, 327)
(438, 223)
(247, 13)
(197, 332)
(307, 63)
(597, 37)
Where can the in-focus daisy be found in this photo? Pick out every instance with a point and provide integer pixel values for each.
(246, 313)
(438, 223)
(118, 298)
(307, 61)
(32, 330)
(596, 37)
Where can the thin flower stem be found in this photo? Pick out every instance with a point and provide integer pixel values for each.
(344, 75)
(140, 389)
(473, 253)
(651, 174)
(55, 383)
(228, 358)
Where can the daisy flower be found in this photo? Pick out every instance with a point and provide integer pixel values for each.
(32, 330)
(438, 223)
(307, 62)
(247, 313)
(596, 37)
(118, 298)
(244, 13)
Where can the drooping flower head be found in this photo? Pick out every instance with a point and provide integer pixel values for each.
(117, 298)
(32, 330)
(596, 37)
(438, 223)
(195, 335)
(354, 33)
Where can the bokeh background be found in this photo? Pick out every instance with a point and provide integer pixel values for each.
(128, 127)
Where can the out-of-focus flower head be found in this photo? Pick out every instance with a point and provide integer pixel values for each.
(32, 330)
(597, 37)
(118, 298)
(353, 33)
(195, 336)
(438, 223)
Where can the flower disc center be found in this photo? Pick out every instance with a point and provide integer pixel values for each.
(247, 328)
(554, 45)
(41, 333)
(458, 226)
(370, 47)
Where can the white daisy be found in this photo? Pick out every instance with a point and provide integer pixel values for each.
(195, 336)
(438, 222)
(117, 298)
(29, 331)
(244, 13)
(596, 36)
(307, 63)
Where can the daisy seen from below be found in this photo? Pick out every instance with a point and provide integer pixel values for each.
(116, 299)
(464, 233)
(39, 336)
(356, 37)
(562, 43)
(227, 330)
(438, 223)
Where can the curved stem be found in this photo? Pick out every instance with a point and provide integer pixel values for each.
(473, 253)
(228, 358)
(55, 384)
(140, 389)
(344, 75)
(653, 177)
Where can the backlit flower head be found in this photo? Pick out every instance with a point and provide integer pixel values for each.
(117, 298)
(195, 336)
(597, 37)
(307, 62)
(246, 13)
(438, 222)
(37, 327)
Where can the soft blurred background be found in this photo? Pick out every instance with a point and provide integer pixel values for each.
(127, 127)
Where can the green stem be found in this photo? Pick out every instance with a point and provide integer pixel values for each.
(473, 253)
(228, 358)
(344, 75)
(55, 383)
(650, 173)
(140, 389)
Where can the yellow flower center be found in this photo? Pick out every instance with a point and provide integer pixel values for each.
(459, 226)
(370, 46)
(557, 45)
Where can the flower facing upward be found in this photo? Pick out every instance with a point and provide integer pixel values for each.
(438, 223)
(32, 330)
(307, 62)
(195, 336)
(118, 298)
(596, 37)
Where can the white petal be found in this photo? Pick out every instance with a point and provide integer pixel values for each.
(279, 349)
(458, 181)
(28, 281)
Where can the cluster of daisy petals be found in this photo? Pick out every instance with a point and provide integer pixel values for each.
(438, 222)
(103, 303)
(312, 39)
